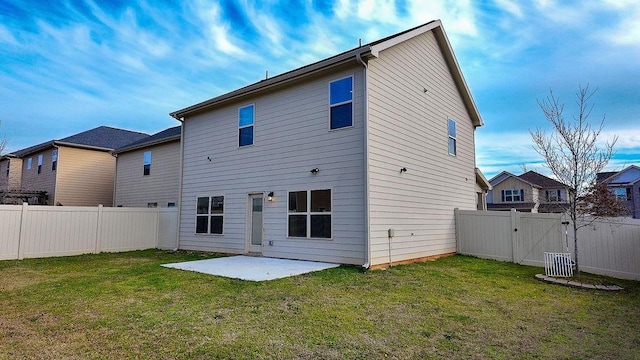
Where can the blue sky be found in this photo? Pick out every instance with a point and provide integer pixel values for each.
(69, 66)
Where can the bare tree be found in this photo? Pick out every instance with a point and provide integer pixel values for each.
(571, 151)
(3, 142)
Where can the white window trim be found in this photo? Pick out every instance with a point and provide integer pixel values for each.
(208, 214)
(308, 214)
(455, 138)
(353, 108)
(253, 124)
(514, 191)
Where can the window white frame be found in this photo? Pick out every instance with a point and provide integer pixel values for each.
(452, 136)
(146, 163)
(513, 195)
(309, 214)
(40, 158)
(334, 103)
(248, 125)
(209, 214)
(54, 159)
(554, 195)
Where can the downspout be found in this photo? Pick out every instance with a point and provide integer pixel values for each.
(55, 179)
(367, 236)
(115, 182)
(180, 182)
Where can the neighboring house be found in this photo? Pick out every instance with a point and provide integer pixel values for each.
(482, 188)
(529, 192)
(626, 185)
(10, 172)
(360, 158)
(148, 171)
(74, 171)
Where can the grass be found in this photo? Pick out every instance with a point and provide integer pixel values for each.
(128, 306)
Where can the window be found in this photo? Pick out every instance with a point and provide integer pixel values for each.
(623, 194)
(171, 204)
(152, 205)
(54, 159)
(39, 163)
(310, 214)
(341, 103)
(246, 119)
(452, 137)
(8, 167)
(146, 163)
(512, 195)
(29, 161)
(210, 215)
(554, 195)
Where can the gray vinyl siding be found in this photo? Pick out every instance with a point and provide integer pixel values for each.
(134, 189)
(291, 137)
(407, 127)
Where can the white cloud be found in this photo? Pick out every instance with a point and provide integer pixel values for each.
(218, 29)
(511, 7)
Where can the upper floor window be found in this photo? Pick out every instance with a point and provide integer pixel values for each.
(54, 159)
(341, 103)
(29, 162)
(554, 195)
(452, 137)
(8, 167)
(310, 214)
(210, 215)
(515, 195)
(623, 194)
(39, 163)
(246, 119)
(146, 163)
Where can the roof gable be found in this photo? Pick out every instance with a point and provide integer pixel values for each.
(355, 56)
(629, 175)
(496, 180)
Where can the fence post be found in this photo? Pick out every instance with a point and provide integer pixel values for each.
(23, 230)
(99, 230)
(515, 223)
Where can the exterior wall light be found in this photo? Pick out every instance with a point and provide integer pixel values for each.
(270, 196)
(315, 170)
(404, 169)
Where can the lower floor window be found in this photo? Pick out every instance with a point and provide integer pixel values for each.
(210, 215)
(309, 214)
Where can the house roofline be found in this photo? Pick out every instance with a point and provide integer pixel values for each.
(147, 144)
(482, 180)
(365, 51)
(513, 176)
(620, 172)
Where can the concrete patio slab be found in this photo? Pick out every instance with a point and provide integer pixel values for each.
(252, 268)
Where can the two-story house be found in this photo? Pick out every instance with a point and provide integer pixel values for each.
(626, 185)
(148, 171)
(360, 158)
(77, 170)
(529, 192)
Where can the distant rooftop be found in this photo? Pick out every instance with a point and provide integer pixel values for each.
(103, 138)
(163, 136)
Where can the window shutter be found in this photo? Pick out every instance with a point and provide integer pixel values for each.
(521, 194)
(502, 195)
(559, 195)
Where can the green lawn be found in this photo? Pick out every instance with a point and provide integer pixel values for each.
(128, 306)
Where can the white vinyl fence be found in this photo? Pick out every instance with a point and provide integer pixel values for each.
(605, 246)
(43, 231)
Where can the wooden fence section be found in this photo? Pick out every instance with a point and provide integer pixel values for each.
(607, 246)
(43, 231)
